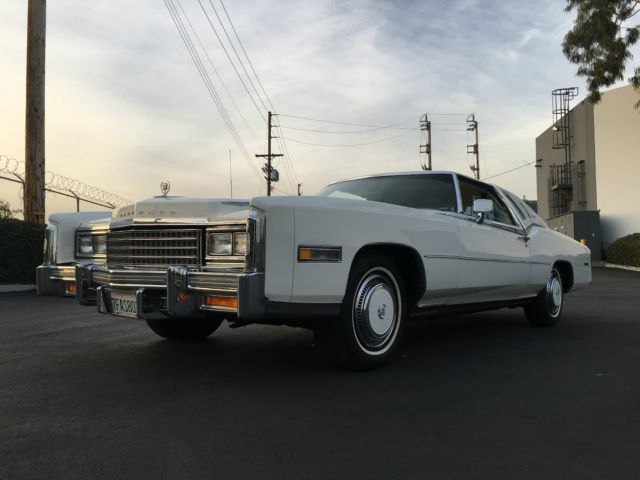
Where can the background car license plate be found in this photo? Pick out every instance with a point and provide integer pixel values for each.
(124, 304)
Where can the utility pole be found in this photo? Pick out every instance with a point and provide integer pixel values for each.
(230, 175)
(425, 148)
(472, 126)
(299, 191)
(271, 173)
(34, 121)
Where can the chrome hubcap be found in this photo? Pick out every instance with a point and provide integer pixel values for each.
(375, 311)
(554, 294)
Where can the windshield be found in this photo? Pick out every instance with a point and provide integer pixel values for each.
(435, 191)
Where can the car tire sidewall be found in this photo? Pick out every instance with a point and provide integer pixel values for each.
(540, 313)
(355, 354)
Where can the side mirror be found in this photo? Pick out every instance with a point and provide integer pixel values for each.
(482, 206)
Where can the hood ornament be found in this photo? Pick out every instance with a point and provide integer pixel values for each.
(165, 186)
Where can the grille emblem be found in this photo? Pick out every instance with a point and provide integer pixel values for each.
(165, 186)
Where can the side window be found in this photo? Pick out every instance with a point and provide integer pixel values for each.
(470, 191)
(520, 208)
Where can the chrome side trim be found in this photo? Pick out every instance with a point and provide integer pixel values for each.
(51, 240)
(484, 259)
(456, 184)
(257, 233)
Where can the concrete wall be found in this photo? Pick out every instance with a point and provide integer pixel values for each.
(582, 148)
(617, 150)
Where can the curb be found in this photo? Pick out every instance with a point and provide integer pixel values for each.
(621, 267)
(17, 288)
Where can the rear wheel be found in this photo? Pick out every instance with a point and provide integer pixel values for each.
(547, 307)
(185, 328)
(372, 316)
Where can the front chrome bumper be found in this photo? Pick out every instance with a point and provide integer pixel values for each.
(56, 280)
(173, 292)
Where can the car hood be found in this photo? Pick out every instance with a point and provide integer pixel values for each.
(180, 210)
(98, 224)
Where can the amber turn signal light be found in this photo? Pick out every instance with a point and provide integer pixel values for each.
(71, 288)
(218, 301)
(319, 254)
(183, 297)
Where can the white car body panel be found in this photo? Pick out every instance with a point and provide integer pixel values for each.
(67, 224)
(494, 263)
(464, 262)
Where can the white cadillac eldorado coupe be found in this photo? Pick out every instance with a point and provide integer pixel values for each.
(69, 238)
(353, 262)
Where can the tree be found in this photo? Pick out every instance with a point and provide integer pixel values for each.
(600, 44)
(5, 210)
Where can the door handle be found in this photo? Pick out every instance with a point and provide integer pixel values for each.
(524, 238)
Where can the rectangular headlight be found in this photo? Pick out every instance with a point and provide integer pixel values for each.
(220, 244)
(100, 244)
(240, 244)
(85, 245)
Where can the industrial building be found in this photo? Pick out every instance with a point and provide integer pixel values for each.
(588, 167)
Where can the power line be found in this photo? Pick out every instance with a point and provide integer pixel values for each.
(246, 55)
(337, 122)
(280, 141)
(449, 114)
(215, 70)
(508, 171)
(195, 57)
(352, 144)
(231, 61)
(237, 56)
(343, 131)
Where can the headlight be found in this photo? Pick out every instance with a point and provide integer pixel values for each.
(220, 244)
(228, 244)
(85, 245)
(91, 245)
(100, 244)
(240, 243)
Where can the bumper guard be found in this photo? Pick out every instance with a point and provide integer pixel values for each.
(175, 292)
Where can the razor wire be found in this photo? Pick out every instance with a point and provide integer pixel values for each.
(56, 183)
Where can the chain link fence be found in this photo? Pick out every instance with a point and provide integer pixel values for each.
(64, 194)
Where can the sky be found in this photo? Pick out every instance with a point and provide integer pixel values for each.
(127, 109)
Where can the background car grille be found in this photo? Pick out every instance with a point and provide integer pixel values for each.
(154, 247)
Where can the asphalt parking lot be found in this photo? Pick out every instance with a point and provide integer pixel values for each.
(485, 396)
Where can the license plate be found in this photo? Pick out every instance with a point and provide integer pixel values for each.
(124, 304)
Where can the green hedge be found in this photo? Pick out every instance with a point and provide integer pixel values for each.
(21, 246)
(625, 251)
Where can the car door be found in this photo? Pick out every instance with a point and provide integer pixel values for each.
(494, 255)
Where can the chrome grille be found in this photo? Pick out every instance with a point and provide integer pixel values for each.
(154, 247)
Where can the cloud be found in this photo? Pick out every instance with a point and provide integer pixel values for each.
(127, 109)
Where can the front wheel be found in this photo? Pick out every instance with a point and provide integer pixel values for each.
(185, 328)
(373, 314)
(545, 310)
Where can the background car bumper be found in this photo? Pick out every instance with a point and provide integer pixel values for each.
(56, 280)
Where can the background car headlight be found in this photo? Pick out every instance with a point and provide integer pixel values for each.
(240, 243)
(220, 244)
(100, 244)
(85, 245)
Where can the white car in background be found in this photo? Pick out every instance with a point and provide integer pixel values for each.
(70, 238)
(354, 262)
